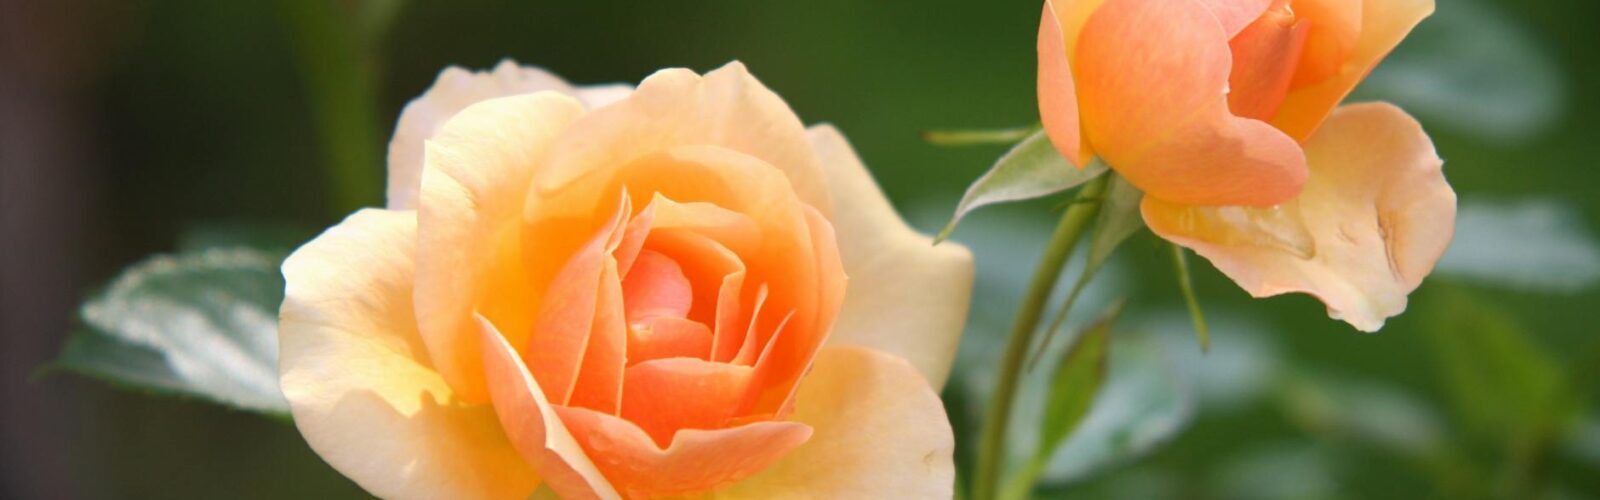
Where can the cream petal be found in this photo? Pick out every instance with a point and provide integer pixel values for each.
(358, 379)
(454, 90)
(469, 245)
(907, 296)
(880, 432)
(675, 107)
(1375, 216)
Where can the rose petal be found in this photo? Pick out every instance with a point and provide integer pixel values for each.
(1336, 28)
(906, 296)
(1155, 105)
(1384, 23)
(655, 288)
(1058, 94)
(727, 107)
(469, 254)
(1235, 15)
(580, 331)
(454, 90)
(1376, 215)
(665, 395)
(533, 425)
(696, 461)
(358, 380)
(880, 432)
(1265, 56)
(669, 337)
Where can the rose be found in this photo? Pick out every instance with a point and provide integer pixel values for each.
(1215, 109)
(646, 297)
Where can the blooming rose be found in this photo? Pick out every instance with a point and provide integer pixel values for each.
(1216, 110)
(624, 293)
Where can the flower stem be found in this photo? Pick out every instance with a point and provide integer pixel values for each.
(991, 445)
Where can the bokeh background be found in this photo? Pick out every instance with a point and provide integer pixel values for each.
(125, 124)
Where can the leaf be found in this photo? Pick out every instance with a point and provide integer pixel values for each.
(1473, 68)
(1388, 418)
(1118, 220)
(1147, 398)
(1180, 262)
(1076, 381)
(1499, 381)
(1531, 245)
(1071, 393)
(977, 137)
(1031, 169)
(200, 324)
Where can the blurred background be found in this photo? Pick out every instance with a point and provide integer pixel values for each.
(129, 126)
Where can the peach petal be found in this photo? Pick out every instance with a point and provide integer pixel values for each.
(1155, 101)
(666, 395)
(710, 263)
(1058, 95)
(454, 90)
(469, 247)
(1336, 27)
(669, 337)
(696, 461)
(1384, 23)
(1377, 214)
(357, 377)
(1265, 56)
(880, 432)
(654, 288)
(600, 378)
(1235, 15)
(733, 346)
(779, 370)
(567, 315)
(906, 296)
(726, 108)
(534, 425)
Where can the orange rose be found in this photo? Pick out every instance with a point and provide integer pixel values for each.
(1216, 110)
(634, 293)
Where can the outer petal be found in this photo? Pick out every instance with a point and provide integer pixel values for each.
(1058, 94)
(1155, 108)
(532, 424)
(478, 171)
(454, 90)
(907, 296)
(1374, 218)
(881, 432)
(696, 461)
(358, 380)
(675, 107)
(1384, 23)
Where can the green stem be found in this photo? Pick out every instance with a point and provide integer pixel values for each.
(991, 445)
(340, 79)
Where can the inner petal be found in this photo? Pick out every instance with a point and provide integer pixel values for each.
(654, 288)
(1265, 55)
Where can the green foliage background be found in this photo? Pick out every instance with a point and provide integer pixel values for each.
(192, 112)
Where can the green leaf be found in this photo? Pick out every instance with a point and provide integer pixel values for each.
(1119, 219)
(1180, 263)
(1076, 381)
(1031, 169)
(201, 324)
(1498, 380)
(1072, 390)
(977, 137)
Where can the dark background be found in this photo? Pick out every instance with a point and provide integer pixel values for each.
(124, 122)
